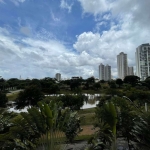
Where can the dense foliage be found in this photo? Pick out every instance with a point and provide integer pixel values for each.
(30, 96)
(3, 99)
(43, 126)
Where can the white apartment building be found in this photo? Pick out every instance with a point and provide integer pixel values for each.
(101, 72)
(58, 76)
(104, 72)
(107, 73)
(122, 65)
(130, 71)
(142, 57)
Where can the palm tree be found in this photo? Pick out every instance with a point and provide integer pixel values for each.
(102, 138)
(141, 131)
(43, 126)
(106, 121)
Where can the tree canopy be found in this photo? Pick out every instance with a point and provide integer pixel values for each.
(30, 96)
(3, 99)
(119, 82)
(133, 80)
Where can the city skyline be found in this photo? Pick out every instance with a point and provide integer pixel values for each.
(40, 38)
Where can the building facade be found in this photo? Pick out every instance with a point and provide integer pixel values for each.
(104, 72)
(107, 73)
(58, 76)
(101, 71)
(130, 71)
(122, 65)
(142, 57)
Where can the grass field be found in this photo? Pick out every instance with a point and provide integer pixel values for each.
(85, 111)
(12, 96)
(87, 116)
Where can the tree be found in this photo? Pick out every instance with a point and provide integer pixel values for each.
(49, 86)
(133, 80)
(119, 82)
(3, 99)
(2, 81)
(102, 139)
(72, 128)
(147, 82)
(75, 83)
(97, 86)
(35, 82)
(75, 102)
(126, 114)
(91, 80)
(102, 81)
(13, 82)
(112, 84)
(141, 131)
(30, 96)
(41, 127)
(106, 121)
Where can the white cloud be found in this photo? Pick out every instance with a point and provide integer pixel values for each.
(95, 6)
(66, 5)
(108, 45)
(54, 17)
(36, 58)
(126, 25)
(129, 30)
(107, 16)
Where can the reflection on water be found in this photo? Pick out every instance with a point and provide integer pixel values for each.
(92, 101)
(18, 110)
(89, 105)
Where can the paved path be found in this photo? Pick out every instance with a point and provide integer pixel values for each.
(13, 92)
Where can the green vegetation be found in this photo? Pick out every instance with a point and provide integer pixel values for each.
(12, 96)
(44, 126)
(3, 99)
(85, 111)
(52, 120)
(87, 119)
(83, 137)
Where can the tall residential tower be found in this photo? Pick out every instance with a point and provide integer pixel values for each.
(58, 76)
(122, 65)
(142, 57)
(107, 73)
(104, 72)
(101, 71)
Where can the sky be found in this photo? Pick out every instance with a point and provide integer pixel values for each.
(39, 38)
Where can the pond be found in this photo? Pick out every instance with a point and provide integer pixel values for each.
(91, 103)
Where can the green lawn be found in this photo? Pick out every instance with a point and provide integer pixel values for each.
(12, 97)
(87, 119)
(85, 111)
(87, 116)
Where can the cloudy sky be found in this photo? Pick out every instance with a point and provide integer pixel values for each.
(39, 38)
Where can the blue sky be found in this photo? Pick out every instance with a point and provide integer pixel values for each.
(39, 38)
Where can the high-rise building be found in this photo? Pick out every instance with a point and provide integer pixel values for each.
(142, 57)
(122, 65)
(58, 76)
(107, 73)
(101, 72)
(104, 72)
(130, 71)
